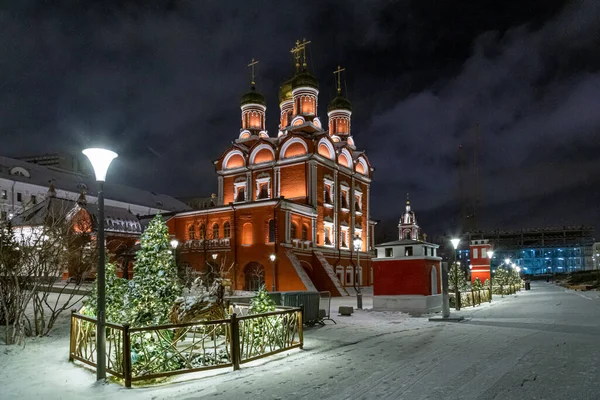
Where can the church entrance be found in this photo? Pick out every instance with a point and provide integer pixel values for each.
(254, 276)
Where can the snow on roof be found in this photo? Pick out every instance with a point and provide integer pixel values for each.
(75, 182)
(405, 242)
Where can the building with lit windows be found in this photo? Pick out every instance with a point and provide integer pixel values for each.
(537, 251)
(301, 196)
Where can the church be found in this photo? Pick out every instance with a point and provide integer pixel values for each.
(293, 209)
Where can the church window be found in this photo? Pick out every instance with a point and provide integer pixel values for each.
(407, 234)
(327, 198)
(304, 232)
(389, 252)
(19, 197)
(349, 276)
(215, 231)
(263, 188)
(4, 194)
(408, 251)
(240, 191)
(357, 203)
(293, 231)
(192, 232)
(475, 253)
(271, 231)
(202, 232)
(344, 199)
(226, 230)
(327, 236)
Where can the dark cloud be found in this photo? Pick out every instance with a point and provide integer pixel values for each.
(160, 82)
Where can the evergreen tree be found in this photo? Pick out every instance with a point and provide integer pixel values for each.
(261, 302)
(477, 285)
(115, 291)
(456, 277)
(155, 285)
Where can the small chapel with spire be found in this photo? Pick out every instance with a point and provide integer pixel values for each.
(291, 206)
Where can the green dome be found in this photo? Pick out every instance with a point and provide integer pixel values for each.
(285, 91)
(305, 78)
(253, 97)
(339, 103)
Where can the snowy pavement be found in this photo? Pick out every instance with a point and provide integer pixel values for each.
(539, 344)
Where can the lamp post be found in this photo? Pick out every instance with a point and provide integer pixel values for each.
(490, 254)
(174, 243)
(455, 242)
(272, 258)
(357, 242)
(100, 160)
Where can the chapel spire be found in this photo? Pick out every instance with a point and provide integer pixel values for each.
(340, 111)
(408, 228)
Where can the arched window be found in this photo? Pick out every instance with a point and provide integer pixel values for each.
(247, 234)
(202, 232)
(226, 230)
(304, 232)
(434, 285)
(293, 231)
(349, 276)
(215, 231)
(407, 234)
(192, 232)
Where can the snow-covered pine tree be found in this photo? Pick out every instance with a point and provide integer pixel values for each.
(155, 286)
(261, 302)
(477, 285)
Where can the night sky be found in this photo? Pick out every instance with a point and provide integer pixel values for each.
(160, 82)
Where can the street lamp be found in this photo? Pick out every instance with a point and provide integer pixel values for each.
(214, 257)
(272, 258)
(100, 160)
(455, 242)
(357, 242)
(174, 243)
(490, 254)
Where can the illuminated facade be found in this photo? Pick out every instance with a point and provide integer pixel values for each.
(301, 195)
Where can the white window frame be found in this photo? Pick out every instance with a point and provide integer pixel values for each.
(260, 181)
(328, 182)
(236, 188)
(359, 194)
(328, 225)
(349, 274)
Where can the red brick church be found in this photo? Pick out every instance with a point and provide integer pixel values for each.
(301, 196)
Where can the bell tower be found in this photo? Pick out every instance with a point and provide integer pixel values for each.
(408, 228)
(254, 108)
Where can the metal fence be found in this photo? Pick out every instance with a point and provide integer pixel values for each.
(143, 353)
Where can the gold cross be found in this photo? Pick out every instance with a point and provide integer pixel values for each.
(251, 65)
(300, 47)
(338, 72)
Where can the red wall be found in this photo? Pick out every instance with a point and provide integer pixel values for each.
(397, 277)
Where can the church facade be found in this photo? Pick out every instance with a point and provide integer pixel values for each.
(290, 206)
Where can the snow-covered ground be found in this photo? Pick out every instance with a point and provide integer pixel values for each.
(539, 344)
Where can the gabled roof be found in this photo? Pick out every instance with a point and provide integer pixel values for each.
(74, 182)
(406, 242)
(116, 220)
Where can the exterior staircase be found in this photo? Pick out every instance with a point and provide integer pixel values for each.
(330, 272)
(300, 270)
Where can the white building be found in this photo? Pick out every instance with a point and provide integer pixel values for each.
(24, 184)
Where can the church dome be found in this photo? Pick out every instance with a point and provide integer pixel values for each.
(339, 103)
(253, 97)
(305, 78)
(285, 91)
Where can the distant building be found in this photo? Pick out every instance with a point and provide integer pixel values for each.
(68, 162)
(25, 184)
(536, 251)
(200, 203)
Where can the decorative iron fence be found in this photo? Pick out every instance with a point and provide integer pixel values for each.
(144, 353)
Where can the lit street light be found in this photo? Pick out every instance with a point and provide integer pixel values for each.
(174, 243)
(272, 258)
(100, 160)
(490, 254)
(357, 242)
(455, 242)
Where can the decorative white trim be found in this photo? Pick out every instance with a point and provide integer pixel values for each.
(317, 122)
(348, 157)
(335, 138)
(329, 146)
(363, 162)
(263, 134)
(296, 118)
(287, 144)
(258, 148)
(231, 154)
(250, 105)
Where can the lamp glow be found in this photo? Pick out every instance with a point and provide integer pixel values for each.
(507, 261)
(272, 257)
(100, 159)
(490, 254)
(455, 242)
(214, 256)
(357, 243)
(174, 243)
